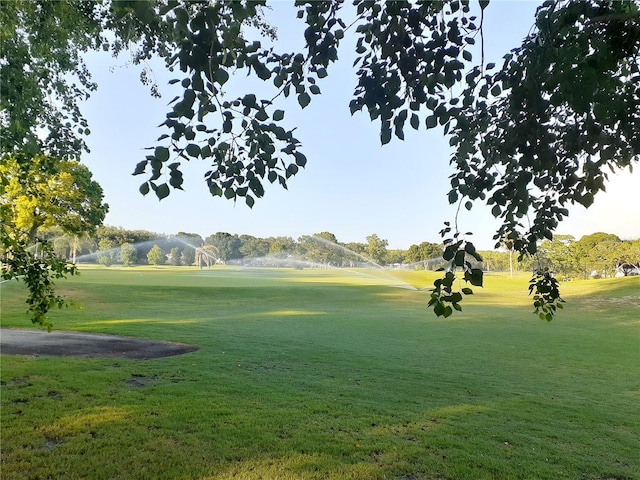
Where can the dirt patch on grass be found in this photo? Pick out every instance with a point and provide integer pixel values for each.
(139, 381)
(86, 345)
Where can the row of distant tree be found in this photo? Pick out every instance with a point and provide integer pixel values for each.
(597, 254)
(111, 245)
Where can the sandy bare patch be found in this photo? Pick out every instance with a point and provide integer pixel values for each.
(85, 345)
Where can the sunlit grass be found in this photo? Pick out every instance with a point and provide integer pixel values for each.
(321, 374)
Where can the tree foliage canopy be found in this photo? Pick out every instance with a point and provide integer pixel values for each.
(529, 137)
(44, 192)
(40, 193)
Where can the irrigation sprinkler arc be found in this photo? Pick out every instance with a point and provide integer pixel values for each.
(359, 264)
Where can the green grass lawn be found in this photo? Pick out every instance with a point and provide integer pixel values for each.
(324, 374)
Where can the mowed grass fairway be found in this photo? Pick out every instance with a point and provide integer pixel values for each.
(327, 374)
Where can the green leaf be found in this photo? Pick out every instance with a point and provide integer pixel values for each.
(301, 160)
(432, 121)
(304, 99)
(415, 121)
(162, 191)
(144, 188)
(385, 135)
(292, 169)
(193, 150)
(176, 180)
(586, 200)
(250, 201)
(262, 115)
(314, 89)
(249, 100)
(162, 154)
(215, 190)
(140, 168)
(467, 291)
(263, 72)
(278, 115)
(221, 76)
(449, 253)
(601, 112)
(476, 278)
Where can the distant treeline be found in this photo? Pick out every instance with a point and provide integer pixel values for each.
(593, 255)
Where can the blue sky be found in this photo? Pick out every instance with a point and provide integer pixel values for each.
(351, 185)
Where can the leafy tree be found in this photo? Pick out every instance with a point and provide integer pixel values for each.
(561, 255)
(227, 245)
(322, 248)
(254, 247)
(43, 192)
(605, 256)
(128, 254)
(191, 241)
(80, 243)
(156, 256)
(188, 256)
(61, 246)
(494, 261)
(120, 236)
(376, 248)
(107, 252)
(281, 246)
(357, 247)
(39, 193)
(175, 257)
(67, 245)
(423, 252)
(328, 236)
(530, 138)
(395, 257)
(44, 76)
(586, 250)
(630, 252)
(38, 270)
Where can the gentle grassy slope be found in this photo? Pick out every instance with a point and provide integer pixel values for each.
(328, 374)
